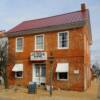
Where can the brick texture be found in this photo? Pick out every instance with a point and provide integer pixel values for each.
(77, 55)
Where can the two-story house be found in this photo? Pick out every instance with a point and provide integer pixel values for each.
(67, 36)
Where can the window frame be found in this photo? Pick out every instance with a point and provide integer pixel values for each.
(66, 40)
(22, 44)
(36, 41)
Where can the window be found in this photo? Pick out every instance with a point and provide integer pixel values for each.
(39, 42)
(19, 44)
(43, 70)
(19, 74)
(62, 71)
(37, 71)
(63, 40)
(62, 75)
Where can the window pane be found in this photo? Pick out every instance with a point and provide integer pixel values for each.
(63, 75)
(19, 74)
(43, 71)
(63, 39)
(19, 44)
(39, 42)
(37, 70)
(64, 44)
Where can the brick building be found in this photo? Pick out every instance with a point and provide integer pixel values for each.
(67, 36)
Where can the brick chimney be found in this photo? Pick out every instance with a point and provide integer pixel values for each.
(83, 7)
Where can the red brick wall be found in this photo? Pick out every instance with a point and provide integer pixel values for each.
(74, 56)
(87, 63)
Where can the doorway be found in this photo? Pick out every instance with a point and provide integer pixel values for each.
(39, 73)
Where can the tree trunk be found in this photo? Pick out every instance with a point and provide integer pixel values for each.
(5, 81)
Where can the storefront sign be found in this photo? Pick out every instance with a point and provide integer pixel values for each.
(38, 56)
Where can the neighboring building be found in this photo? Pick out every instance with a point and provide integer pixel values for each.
(67, 36)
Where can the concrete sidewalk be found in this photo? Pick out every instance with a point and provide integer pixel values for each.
(21, 94)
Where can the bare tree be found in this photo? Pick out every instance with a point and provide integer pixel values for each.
(3, 61)
(96, 69)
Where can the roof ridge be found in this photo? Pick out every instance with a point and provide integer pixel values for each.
(53, 16)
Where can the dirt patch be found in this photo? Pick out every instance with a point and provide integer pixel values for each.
(20, 93)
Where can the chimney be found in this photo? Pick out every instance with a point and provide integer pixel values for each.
(83, 7)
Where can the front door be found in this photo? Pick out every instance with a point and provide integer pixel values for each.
(39, 73)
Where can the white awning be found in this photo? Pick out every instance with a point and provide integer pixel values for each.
(62, 67)
(18, 67)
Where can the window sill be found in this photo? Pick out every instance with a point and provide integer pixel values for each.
(19, 51)
(39, 49)
(18, 77)
(63, 48)
(62, 79)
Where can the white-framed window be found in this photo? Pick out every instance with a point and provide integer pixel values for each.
(62, 70)
(63, 40)
(19, 74)
(39, 42)
(19, 44)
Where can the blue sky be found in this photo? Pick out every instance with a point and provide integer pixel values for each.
(12, 12)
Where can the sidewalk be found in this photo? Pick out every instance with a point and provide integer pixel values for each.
(21, 94)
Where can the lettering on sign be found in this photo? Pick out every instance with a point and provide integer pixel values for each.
(38, 56)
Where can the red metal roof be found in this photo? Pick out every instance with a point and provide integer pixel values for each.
(50, 21)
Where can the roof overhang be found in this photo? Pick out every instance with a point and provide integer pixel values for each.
(47, 29)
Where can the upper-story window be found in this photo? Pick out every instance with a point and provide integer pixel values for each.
(19, 44)
(39, 42)
(63, 40)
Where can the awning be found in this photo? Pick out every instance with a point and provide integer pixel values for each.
(62, 67)
(17, 67)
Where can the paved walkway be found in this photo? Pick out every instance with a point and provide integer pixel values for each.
(21, 94)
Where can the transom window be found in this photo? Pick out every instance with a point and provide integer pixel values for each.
(63, 40)
(19, 44)
(39, 42)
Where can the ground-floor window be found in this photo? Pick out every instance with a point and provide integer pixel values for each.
(62, 75)
(18, 70)
(62, 70)
(19, 74)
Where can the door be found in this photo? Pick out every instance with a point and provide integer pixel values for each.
(39, 73)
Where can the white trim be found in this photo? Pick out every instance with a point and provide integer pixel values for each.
(22, 44)
(40, 79)
(67, 40)
(36, 43)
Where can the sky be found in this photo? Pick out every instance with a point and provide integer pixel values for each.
(13, 12)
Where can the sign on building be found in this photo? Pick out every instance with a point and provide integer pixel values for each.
(38, 56)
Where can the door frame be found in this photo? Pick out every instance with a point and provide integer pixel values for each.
(38, 78)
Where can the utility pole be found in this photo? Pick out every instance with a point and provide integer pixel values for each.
(51, 60)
